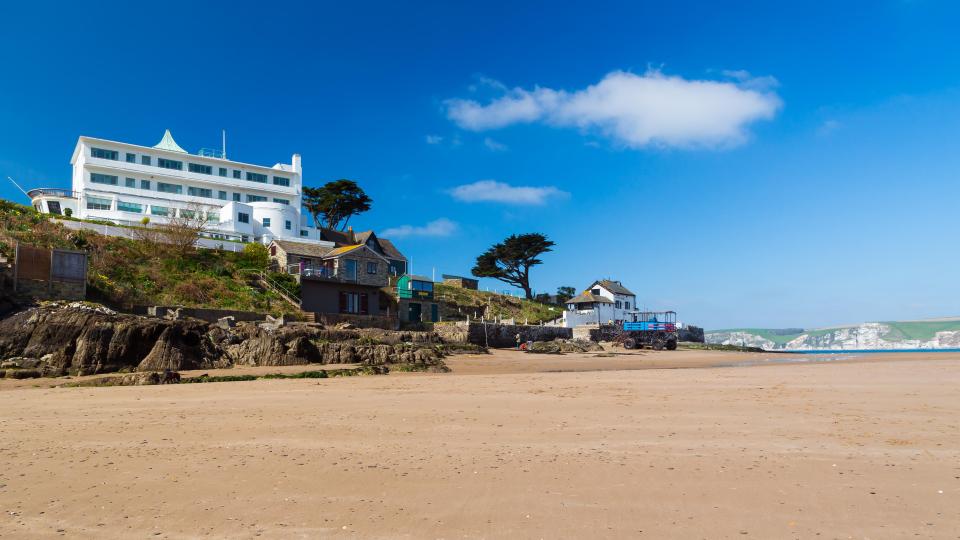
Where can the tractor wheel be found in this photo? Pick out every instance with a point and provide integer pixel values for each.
(629, 343)
(658, 344)
(672, 345)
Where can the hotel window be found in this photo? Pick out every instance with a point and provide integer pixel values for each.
(145, 184)
(304, 232)
(222, 195)
(131, 158)
(160, 211)
(98, 178)
(200, 192)
(145, 160)
(243, 218)
(372, 267)
(130, 182)
(96, 203)
(236, 174)
(266, 222)
(223, 172)
(202, 169)
(187, 214)
(54, 208)
(103, 154)
(213, 217)
(236, 197)
(169, 164)
(287, 225)
(169, 188)
(257, 177)
(255, 198)
(281, 201)
(281, 181)
(129, 207)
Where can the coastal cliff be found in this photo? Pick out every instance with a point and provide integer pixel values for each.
(932, 334)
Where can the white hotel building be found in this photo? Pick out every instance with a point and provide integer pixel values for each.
(123, 183)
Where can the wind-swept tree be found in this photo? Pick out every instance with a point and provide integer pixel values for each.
(510, 260)
(333, 204)
(565, 293)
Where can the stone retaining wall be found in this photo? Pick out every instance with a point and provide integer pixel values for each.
(498, 335)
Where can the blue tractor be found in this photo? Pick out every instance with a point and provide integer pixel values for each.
(651, 329)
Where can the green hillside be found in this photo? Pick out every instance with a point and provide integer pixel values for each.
(899, 331)
(457, 303)
(123, 272)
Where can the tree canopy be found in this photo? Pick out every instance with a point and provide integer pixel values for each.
(510, 260)
(333, 204)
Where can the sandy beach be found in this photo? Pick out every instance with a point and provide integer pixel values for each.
(507, 446)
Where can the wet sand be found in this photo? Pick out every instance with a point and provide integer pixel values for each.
(529, 448)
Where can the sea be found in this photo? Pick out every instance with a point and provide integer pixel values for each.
(871, 351)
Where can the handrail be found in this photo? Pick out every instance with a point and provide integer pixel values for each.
(288, 295)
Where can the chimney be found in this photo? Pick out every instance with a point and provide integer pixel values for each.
(296, 163)
(353, 238)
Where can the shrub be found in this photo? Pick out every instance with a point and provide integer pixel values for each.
(254, 256)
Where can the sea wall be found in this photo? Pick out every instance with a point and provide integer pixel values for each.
(498, 335)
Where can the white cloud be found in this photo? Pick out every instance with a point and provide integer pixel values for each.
(434, 139)
(494, 145)
(436, 228)
(635, 110)
(828, 127)
(493, 191)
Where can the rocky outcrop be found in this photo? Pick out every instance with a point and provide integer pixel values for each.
(691, 334)
(559, 346)
(83, 339)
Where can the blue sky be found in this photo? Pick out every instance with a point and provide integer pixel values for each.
(744, 163)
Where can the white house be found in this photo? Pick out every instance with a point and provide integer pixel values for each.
(603, 302)
(123, 183)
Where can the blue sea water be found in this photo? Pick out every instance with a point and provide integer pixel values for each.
(871, 351)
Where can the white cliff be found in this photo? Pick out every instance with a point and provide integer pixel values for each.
(863, 336)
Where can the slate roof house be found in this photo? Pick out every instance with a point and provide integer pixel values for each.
(602, 302)
(398, 263)
(343, 280)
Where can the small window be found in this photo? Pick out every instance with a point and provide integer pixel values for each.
(213, 217)
(130, 182)
(372, 267)
(169, 188)
(236, 174)
(145, 184)
(257, 177)
(97, 203)
(53, 207)
(595, 292)
(170, 164)
(145, 160)
(202, 169)
(281, 181)
(236, 197)
(281, 201)
(273, 251)
(159, 211)
(617, 304)
(287, 225)
(98, 178)
(222, 172)
(255, 198)
(626, 305)
(131, 158)
(304, 232)
(243, 217)
(266, 222)
(188, 214)
(104, 154)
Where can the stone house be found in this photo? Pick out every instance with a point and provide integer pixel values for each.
(461, 282)
(342, 280)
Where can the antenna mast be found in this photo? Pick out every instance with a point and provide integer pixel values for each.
(224, 144)
(18, 186)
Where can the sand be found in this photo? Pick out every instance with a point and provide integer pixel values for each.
(863, 449)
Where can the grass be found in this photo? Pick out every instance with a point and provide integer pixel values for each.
(125, 272)
(494, 305)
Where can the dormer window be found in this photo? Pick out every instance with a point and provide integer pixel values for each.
(595, 292)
